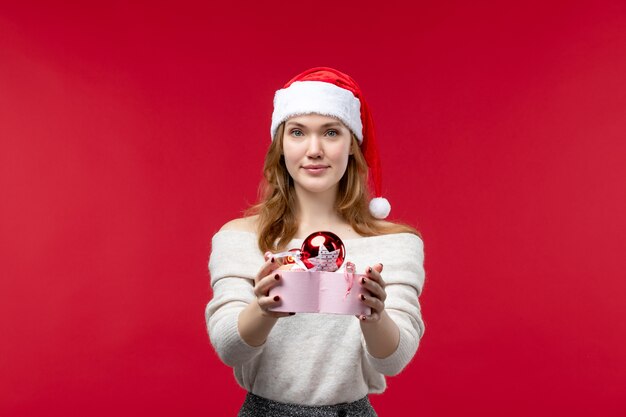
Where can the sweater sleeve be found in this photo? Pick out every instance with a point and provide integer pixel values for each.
(233, 263)
(404, 277)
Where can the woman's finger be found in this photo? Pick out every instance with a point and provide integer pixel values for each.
(374, 274)
(270, 265)
(374, 288)
(265, 284)
(369, 319)
(266, 303)
(373, 302)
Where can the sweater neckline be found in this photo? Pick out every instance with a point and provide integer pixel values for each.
(353, 240)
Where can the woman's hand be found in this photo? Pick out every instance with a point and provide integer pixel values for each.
(376, 295)
(267, 278)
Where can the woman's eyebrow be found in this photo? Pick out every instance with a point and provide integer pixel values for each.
(324, 125)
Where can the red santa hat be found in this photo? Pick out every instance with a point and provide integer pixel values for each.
(330, 92)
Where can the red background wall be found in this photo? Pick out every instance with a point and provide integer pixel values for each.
(131, 133)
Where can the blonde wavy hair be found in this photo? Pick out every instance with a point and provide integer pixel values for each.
(277, 223)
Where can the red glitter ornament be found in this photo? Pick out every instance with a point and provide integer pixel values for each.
(323, 251)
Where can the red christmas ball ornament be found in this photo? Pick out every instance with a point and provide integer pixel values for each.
(323, 251)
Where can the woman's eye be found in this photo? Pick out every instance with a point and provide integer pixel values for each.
(296, 132)
(332, 133)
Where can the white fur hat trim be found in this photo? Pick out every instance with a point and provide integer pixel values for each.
(305, 97)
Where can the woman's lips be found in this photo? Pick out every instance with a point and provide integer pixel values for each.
(315, 169)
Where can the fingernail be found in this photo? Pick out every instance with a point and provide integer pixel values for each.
(276, 298)
(369, 269)
(362, 297)
(292, 314)
(362, 318)
(363, 280)
(381, 267)
(276, 277)
(272, 259)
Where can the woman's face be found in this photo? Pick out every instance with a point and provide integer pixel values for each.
(316, 150)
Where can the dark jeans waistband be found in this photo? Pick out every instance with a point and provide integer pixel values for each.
(256, 406)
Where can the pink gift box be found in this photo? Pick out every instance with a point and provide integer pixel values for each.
(320, 292)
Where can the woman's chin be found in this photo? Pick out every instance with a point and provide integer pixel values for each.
(316, 188)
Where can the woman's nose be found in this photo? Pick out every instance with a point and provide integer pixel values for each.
(315, 147)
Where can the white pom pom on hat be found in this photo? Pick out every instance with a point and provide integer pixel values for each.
(330, 92)
(380, 207)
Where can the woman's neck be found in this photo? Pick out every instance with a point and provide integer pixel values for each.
(316, 211)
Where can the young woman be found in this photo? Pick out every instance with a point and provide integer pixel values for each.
(316, 174)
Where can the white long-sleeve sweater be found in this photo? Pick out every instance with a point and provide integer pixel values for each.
(314, 359)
